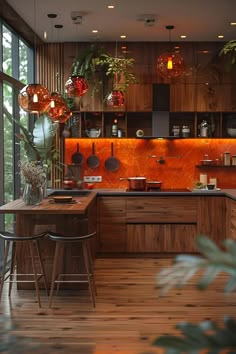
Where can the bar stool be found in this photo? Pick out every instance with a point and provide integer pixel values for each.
(31, 241)
(61, 240)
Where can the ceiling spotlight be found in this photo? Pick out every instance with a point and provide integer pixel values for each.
(123, 36)
(149, 22)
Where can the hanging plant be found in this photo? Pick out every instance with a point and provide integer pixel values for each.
(230, 49)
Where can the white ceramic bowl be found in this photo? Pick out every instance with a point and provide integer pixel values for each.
(231, 131)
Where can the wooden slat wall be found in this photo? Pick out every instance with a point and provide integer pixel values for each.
(50, 73)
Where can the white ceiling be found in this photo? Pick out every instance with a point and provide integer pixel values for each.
(200, 20)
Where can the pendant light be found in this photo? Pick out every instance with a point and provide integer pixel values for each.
(58, 110)
(170, 64)
(76, 85)
(116, 97)
(34, 98)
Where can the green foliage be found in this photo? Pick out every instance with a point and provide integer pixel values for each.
(230, 49)
(202, 336)
(98, 66)
(206, 335)
(216, 260)
(9, 342)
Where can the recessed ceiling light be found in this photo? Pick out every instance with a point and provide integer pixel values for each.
(123, 47)
(95, 31)
(220, 36)
(123, 36)
(183, 36)
(45, 35)
(232, 23)
(110, 6)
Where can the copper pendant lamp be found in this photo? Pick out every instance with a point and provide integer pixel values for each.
(58, 110)
(34, 98)
(116, 99)
(76, 86)
(170, 64)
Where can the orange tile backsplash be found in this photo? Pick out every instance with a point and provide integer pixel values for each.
(140, 158)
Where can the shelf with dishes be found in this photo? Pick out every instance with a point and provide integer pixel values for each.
(130, 124)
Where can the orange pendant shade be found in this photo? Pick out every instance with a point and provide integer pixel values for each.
(76, 86)
(116, 99)
(34, 98)
(170, 65)
(58, 110)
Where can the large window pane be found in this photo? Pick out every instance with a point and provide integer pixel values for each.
(7, 51)
(23, 62)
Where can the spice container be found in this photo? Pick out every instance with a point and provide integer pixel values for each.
(175, 130)
(233, 160)
(227, 158)
(185, 131)
(204, 129)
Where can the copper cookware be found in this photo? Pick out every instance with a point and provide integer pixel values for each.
(136, 183)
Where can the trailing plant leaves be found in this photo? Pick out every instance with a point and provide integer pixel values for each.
(203, 336)
(230, 49)
(185, 266)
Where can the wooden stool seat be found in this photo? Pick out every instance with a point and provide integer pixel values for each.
(61, 240)
(31, 240)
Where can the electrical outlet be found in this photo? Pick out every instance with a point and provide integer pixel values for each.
(92, 179)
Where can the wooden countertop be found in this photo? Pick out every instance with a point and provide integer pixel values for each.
(46, 207)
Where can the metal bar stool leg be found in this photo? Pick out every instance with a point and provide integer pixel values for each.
(13, 262)
(91, 267)
(86, 262)
(62, 248)
(4, 266)
(31, 246)
(41, 265)
(54, 272)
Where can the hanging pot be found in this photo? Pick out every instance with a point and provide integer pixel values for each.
(136, 183)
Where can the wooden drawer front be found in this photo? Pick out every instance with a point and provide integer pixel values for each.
(112, 239)
(161, 209)
(232, 231)
(111, 207)
(161, 238)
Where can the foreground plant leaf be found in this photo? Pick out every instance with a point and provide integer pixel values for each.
(206, 335)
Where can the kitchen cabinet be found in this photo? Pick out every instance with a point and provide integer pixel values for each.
(212, 219)
(231, 217)
(111, 225)
(139, 98)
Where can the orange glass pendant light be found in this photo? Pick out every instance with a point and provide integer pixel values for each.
(34, 98)
(58, 110)
(170, 64)
(76, 86)
(116, 99)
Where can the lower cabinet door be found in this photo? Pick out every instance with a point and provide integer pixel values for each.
(112, 238)
(167, 238)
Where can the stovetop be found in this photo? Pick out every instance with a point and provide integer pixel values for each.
(161, 190)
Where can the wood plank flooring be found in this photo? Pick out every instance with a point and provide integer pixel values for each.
(129, 312)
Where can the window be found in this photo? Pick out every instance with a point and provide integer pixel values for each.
(16, 71)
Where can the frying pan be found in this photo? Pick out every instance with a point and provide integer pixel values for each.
(77, 158)
(93, 161)
(112, 163)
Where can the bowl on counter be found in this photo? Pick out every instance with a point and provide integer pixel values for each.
(207, 162)
(210, 186)
(153, 185)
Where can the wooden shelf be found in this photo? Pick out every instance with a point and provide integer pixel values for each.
(214, 166)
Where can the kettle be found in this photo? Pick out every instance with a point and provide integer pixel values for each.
(93, 132)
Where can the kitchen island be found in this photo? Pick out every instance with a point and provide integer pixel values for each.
(58, 217)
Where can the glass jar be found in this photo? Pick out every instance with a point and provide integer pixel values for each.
(204, 129)
(32, 195)
(185, 131)
(175, 130)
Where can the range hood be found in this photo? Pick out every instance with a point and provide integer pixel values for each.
(160, 110)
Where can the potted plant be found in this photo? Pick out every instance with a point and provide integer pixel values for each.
(207, 336)
(96, 65)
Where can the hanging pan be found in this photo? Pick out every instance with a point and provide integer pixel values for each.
(93, 160)
(77, 158)
(112, 163)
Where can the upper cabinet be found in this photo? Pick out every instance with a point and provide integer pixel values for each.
(139, 98)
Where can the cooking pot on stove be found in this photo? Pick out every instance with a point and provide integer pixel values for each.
(153, 185)
(136, 183)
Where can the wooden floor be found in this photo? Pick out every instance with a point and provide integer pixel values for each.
(128, 316)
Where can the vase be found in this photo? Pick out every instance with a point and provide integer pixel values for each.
(32, 195)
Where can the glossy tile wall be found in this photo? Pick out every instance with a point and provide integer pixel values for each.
(136, 159)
